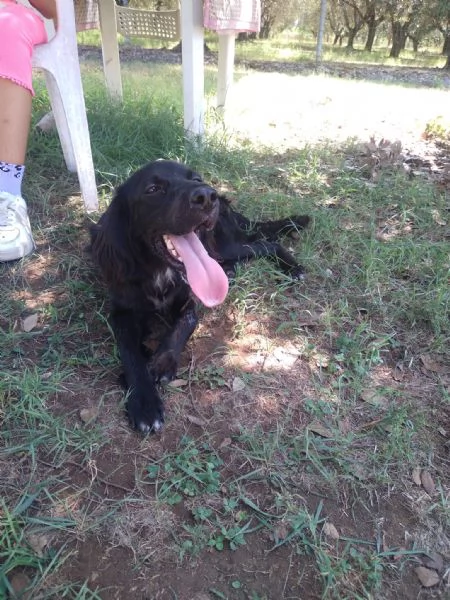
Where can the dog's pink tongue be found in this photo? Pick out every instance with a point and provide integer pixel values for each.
(205, 276)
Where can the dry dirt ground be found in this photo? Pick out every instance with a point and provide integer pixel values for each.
(131, 556)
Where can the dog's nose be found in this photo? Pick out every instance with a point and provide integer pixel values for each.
(204, 198)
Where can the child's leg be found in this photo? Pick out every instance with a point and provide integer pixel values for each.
(15, 111)
(21, 30)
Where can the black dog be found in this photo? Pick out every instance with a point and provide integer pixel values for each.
(165, 241)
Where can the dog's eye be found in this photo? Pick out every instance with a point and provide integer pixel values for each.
(152, 188)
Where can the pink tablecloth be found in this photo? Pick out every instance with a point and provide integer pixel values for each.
(226, 16)
(86, 15)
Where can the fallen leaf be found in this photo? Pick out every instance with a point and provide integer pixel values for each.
(433, 560)
(322, 361)
(442, 431)
(330, 531)
(88, 414)
(359, 471)
(397, 373)
(178, 383)
(373, 397)
(317, 427)
(437, 217)
(280, 532)
(309, 319)
(427, 482)
(196, 420)
(433, 365)
(345, 426)
(38, 543)
(427, 577)
(238, 384)
(225, 443)
(416, 476)
(29, 322)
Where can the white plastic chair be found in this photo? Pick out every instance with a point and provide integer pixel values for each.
(59, 60)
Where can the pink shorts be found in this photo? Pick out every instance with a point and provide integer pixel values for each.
(20, 30)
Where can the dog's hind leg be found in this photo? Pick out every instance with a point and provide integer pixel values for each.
(262, 249)
(272, 230)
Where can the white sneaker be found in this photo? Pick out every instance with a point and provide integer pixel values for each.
(16, 239)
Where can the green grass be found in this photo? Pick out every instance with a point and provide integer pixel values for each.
(298, 46)
(255, 470)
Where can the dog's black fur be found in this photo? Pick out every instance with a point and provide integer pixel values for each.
(148, 286)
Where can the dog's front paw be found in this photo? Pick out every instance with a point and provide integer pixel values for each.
(297, 273)
(145, 414)
(164, 367)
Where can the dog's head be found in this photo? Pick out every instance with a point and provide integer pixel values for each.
(165, 206)
(168, 198)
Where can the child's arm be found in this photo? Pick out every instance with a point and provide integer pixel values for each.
(47, 8)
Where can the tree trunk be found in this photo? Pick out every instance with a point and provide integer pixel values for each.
(398, 39)
(404, 40)
(264, 32)
(245, 36)
(447, 49)
(446, 46)
(415, 43)
(351, 38)
(371, 31)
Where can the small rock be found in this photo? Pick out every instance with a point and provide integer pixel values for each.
(433, 560)
(238, 384)
(29, 322)
(19, 583)
(427, 577)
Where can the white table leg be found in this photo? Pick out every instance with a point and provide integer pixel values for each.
(193, 65)
(225, 66)
(110, 48)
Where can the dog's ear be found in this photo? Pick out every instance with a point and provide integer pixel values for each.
(109, 246)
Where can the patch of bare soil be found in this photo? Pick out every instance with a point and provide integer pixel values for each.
(143, 549)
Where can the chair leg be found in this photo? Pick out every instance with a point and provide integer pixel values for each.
(73, 131)
(61, 121)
